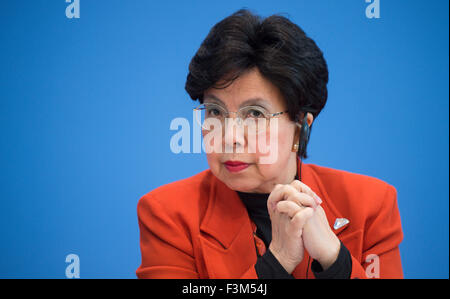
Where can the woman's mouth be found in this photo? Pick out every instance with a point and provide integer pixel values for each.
(235, 166)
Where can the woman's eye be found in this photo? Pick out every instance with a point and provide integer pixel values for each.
(255, 113)
(214, 112)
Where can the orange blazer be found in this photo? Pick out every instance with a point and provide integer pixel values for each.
(199, 228)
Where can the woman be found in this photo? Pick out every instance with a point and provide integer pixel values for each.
(249, 216)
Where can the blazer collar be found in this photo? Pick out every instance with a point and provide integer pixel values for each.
(226, 215)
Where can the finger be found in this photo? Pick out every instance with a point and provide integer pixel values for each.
(289, 192)
(302, 187)
(288, 207)
(296, 191)
(273, 198)
(280, 192)
(300, 219)
(303, 199)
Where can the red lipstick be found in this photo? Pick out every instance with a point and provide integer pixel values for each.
(235, 166)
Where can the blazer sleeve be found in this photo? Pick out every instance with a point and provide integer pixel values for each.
(382, 236)
(165, 247)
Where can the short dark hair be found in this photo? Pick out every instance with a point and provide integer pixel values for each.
(281, 51)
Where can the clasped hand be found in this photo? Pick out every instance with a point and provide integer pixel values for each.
(299, 223)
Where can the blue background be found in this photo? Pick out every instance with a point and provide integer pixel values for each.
(86, 104)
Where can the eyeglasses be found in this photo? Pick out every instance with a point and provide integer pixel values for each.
(245, 115)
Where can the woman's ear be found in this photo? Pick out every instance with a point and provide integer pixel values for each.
(296, 141)
(298, 128)
(298, 121)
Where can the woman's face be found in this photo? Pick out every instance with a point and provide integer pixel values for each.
(242, 166)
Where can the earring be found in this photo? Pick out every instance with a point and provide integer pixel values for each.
(295, 148)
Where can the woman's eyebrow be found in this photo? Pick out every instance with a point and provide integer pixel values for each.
(256, 101)
(214, 98)
(252, 101)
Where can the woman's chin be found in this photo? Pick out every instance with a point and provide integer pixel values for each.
(243, 181)
(240, 184)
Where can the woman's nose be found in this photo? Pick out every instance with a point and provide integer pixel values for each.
(234, 135)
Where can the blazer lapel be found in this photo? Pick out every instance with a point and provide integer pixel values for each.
(226, 234)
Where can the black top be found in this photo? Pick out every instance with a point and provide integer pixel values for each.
(267, 266)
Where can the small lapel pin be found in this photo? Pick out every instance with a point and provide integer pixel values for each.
(340, 222)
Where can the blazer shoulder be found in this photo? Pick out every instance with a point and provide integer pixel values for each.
(343, 176)
(179, 194)
(357, 189)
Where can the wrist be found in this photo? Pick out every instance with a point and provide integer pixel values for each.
(285, 263)
(332, 254)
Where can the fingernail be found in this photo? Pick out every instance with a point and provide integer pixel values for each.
(317, 198)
